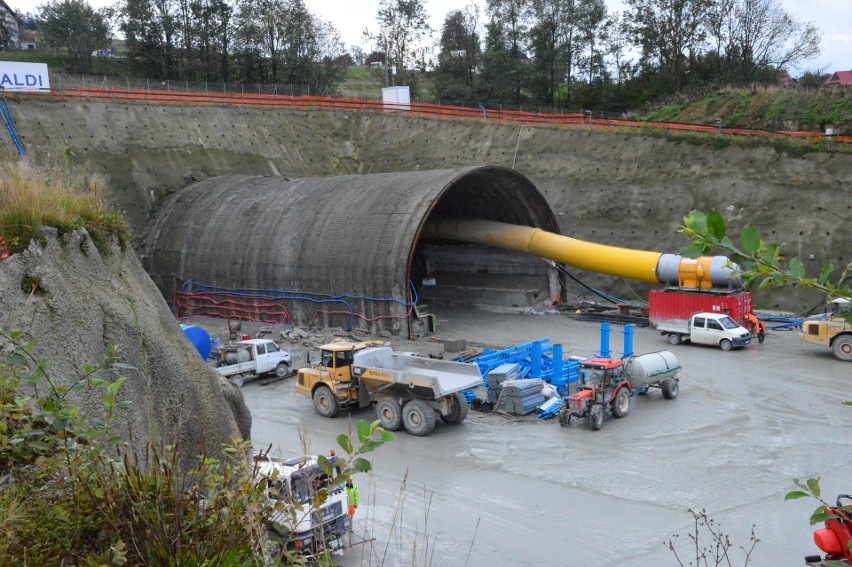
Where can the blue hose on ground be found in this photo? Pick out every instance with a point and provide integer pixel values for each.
(6, 112)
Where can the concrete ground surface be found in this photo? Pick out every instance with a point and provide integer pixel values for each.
(503, 491)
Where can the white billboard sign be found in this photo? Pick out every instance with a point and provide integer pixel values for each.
(16, 76)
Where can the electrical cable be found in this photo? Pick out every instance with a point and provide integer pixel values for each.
(610, 298)
(326, 295)
(193, 290)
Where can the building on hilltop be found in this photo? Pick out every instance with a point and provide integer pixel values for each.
(840, 78)
(10, 34)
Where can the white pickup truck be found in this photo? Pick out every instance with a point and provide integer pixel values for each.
(706, 329)
(252, 357)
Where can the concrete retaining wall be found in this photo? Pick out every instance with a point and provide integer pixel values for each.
(609, 188)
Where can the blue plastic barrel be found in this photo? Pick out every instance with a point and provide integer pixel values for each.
(199, 338)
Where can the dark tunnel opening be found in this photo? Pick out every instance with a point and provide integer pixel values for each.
(453, 273)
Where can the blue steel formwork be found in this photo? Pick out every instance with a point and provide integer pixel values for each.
(539, 359)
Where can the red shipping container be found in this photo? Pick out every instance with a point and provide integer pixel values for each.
(664, 305)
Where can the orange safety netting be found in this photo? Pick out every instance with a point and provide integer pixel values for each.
(413, 109)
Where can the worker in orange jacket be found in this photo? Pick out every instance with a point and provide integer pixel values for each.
(756, 326)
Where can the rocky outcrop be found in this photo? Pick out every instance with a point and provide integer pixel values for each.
(77, 302)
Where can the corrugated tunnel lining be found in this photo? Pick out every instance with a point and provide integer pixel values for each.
(354, 235)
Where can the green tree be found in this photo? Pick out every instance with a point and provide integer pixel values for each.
(151, 29)
(459, 56)
(505, 59)
(75, 27)
(669, 34)
(402, 25)
(553, 43)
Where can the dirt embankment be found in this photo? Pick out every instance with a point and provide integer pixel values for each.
(76, 302)
(610, 188)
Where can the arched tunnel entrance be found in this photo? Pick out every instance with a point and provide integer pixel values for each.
(456, 273)
(345, 251)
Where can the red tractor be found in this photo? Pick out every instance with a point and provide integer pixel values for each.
(835, 539)
(608, 384)
(606, 391)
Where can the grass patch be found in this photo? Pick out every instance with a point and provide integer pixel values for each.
(33, 196)
(770, 108)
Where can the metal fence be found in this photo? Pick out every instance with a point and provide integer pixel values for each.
(63, 81)
(143, 91)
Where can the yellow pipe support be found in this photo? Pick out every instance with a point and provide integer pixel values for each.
(612, 260)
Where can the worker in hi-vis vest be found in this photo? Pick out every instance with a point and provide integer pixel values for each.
(352, 496)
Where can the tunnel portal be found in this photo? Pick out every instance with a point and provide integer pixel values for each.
(346, 251)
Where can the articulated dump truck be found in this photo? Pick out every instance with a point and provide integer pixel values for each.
(408, 390)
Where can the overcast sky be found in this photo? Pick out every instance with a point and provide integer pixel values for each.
(834, 18)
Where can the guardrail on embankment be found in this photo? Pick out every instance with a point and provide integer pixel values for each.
(413, 109)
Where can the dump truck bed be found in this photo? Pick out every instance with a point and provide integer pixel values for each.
(383, 368)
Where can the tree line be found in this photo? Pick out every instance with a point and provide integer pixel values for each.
(559, 53)
(575, 54)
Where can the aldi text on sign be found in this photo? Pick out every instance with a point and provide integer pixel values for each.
(16, 76)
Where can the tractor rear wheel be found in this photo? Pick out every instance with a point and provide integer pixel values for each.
(418, 418)
(389, 413)
(458, 409)
(842, 348)
(621, 403)
(670, 388)
(325, 402)
(596, 416)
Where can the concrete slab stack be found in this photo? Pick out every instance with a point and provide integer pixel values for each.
(521, 397)
(501, 374)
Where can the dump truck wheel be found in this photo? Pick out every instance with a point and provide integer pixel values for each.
(389, 414)
(237, 380)
(418, 418)
(282, 370)
(674, 339)
(842, 348)
(725, 345)
(325, 402)
(596, 417)
(458, 410)
(670, 389)
(621, 404)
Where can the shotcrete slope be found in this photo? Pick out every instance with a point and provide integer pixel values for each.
(84, 303)
(604, 187)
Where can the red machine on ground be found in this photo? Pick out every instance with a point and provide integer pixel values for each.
(835, 539)
(608, 384)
